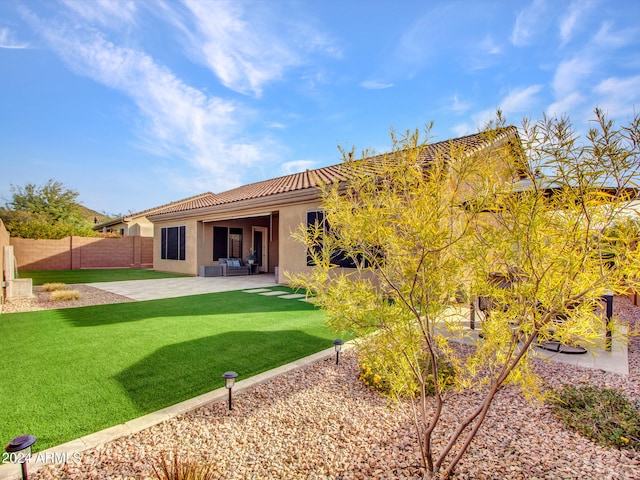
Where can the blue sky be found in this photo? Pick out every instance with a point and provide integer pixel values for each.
(139, 103)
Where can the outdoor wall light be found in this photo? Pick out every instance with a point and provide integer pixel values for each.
(19, 450)
(229, 378)
(337, 343)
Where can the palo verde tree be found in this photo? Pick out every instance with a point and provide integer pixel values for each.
(532, 224)
(46, 211)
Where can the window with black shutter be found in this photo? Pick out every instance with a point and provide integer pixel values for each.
(173, 243)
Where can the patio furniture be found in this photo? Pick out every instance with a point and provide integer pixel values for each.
(485, 304)
(234, 266)
(210, 271)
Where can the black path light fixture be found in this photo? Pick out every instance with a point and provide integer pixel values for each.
(19, 451)
(337, 343)
(229, 378)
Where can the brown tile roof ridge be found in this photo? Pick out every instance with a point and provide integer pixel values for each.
(201, 198)
(193, 201)
(329, 174)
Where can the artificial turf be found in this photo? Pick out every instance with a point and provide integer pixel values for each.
(70, 372)
(40, 277)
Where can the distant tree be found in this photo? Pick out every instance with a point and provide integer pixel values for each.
(47, 211)
(426, 240)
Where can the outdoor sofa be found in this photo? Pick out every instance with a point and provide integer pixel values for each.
(234, 266)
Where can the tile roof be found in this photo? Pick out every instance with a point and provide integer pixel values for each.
(334, 173)
(194, 201)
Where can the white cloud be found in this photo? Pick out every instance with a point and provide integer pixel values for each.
(528, 23)
(520, 100)
(570, 75)
(7, 40)
(105, 12)
(489, 46)
(462, 129)
(178, 119)
(296, 166)
(248, 48)
(517, 102)
(609, 36)
(619, 96)
(375, 85)
(458, 106)
(482, 118)
(565, 105)
(484, 54)
(568, 23)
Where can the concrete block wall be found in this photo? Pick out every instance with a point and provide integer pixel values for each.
(74, 253)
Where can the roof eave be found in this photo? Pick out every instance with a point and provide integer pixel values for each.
(261, 205)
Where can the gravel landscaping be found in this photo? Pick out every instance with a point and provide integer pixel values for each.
(41, 300)
(320, 422)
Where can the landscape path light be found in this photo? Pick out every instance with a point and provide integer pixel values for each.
(337, 343)
(229, 378)
(19, 450)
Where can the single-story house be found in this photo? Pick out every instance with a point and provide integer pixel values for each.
(137, 224)
(261, 217)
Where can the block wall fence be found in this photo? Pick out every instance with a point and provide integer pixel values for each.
(75, 253)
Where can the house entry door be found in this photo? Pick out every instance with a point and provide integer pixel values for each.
(261, 247)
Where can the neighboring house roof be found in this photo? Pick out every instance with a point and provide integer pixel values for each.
(194, 201)
(470, 144)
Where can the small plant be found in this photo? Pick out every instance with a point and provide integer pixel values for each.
(65, 295)
(604, 415)
(52, 287)
(173, 468)
(373, 375)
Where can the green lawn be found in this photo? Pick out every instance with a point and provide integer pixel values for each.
(40, 277)
(70, 372)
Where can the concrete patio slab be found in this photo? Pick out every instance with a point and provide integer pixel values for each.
(615, 359)
(183, 286)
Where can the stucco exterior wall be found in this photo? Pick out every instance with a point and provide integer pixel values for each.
(293, 254)
(140, 227)
(193, 235)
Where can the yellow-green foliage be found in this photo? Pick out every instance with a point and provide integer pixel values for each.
(65, 295)
(52, 287)
(380, 377)
(535, 224)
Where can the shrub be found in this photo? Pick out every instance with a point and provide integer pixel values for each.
(52, 287)
(373, 375)
(176, 469)
(604, 415)
(64, 295)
